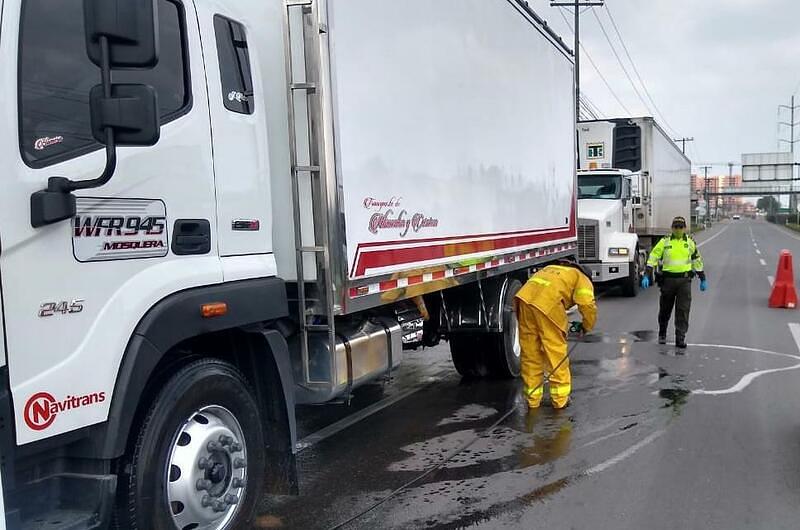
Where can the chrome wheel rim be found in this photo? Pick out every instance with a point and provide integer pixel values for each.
(206, 471)
(515, 338)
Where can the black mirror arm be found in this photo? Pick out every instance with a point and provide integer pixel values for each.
(65, 185)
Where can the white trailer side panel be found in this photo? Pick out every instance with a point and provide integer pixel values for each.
(454, 129)
(670, 177)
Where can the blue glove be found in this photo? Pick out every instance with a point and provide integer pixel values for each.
(703, 285)
(645, 282)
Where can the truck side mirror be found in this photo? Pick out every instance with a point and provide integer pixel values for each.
(131, 28)
(131, 111)
(119, 34)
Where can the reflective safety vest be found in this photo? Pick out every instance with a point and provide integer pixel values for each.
(676, 255)
(556, 288)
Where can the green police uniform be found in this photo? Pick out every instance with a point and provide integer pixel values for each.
(680, 260)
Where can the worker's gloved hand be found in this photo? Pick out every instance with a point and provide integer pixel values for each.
(703, 285)
(645, 282)
(576, 327)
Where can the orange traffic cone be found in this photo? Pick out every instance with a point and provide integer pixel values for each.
(783, 291)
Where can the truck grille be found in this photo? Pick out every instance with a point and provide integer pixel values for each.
(587, 242)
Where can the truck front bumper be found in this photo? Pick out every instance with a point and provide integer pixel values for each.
(608, 272)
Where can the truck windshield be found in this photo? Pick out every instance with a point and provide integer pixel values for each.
(599, 187)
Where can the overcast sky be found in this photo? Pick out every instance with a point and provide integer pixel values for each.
(716, 69)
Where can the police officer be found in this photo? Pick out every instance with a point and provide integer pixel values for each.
(679, 261)
(541, 306)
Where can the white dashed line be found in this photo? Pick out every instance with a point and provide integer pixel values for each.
(763, 263)
(771, 279)
(758, 252)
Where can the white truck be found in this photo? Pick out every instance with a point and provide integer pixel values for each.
(287, 189)
(633, 180)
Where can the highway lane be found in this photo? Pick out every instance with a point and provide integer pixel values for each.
(655, 438)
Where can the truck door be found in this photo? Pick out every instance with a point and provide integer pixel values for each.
(74, 291)
(234, 56)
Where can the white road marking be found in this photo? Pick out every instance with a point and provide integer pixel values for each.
(763, 263)
(712, 238)
(630, 451)
(795, 329)
(771, 279)
(745, 381)
(758, 252)
(750, 228)
(755, 245)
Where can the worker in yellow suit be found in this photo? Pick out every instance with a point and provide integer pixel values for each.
(541, 307)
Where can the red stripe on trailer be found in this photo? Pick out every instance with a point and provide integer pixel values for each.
(401, 256)
(389, 285)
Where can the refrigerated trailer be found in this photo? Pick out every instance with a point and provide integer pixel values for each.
(633, 180)
(216, 210)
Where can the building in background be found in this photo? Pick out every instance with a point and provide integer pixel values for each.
(719, 205)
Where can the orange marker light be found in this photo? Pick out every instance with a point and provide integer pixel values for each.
(216, 309)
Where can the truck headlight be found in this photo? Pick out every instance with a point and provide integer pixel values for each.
(618, 251)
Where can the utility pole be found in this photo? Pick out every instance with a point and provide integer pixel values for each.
(708, 206)
(730, 200)
(791, 141)
(577, 5)
(683, 142)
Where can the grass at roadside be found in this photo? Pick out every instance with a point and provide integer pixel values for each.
(793, 226)
(698, 228)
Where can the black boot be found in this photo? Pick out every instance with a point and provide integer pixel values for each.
(680, 343)
(662, 336)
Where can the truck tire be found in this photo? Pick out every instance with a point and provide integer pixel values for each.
(199, 458)
(505, 347)
(468, 353)
(491, 354)
(630, 285)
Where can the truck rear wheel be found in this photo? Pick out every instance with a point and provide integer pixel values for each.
(199, 459)
(491, 354)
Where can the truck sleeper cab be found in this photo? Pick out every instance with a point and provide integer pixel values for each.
(203, 226)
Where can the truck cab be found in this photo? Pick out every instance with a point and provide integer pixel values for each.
(607, 244)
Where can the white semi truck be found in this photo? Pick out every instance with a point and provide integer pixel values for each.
(286, 190)
(633, 180)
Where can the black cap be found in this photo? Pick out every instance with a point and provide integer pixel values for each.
(679, 221)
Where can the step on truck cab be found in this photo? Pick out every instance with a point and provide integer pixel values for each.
(633, 180)
(214, 210)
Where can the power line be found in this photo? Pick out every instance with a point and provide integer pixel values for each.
(599, 73)
(636, 71)
(619, 60)
(593, 105)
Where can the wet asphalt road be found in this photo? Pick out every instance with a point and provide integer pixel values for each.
(654, 439)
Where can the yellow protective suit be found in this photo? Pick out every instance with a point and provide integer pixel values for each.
(541, 307)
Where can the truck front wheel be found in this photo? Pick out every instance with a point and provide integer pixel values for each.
(199, 459)
(630, 285)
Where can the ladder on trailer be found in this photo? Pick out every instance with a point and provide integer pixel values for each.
(315, 313)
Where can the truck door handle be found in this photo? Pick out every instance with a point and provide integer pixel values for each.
(191, 237)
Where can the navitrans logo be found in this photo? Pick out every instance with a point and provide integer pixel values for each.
(42, 408)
